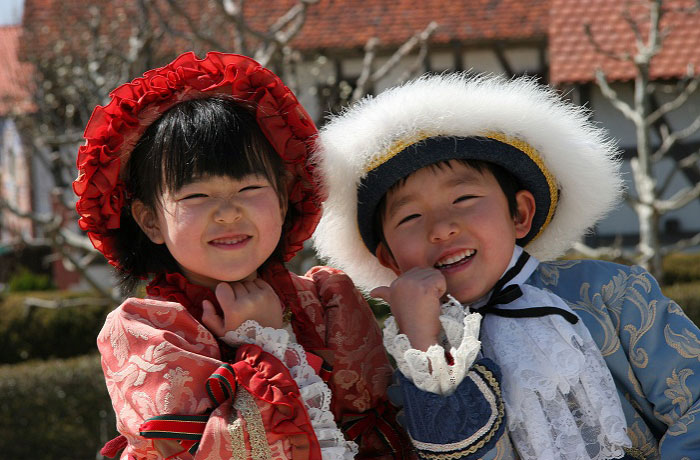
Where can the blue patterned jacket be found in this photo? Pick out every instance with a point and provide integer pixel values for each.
(650, 346)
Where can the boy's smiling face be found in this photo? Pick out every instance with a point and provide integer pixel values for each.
(455, 219)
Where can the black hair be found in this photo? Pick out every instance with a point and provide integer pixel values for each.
(507, 181)
(214, 136)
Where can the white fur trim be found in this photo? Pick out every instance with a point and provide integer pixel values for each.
(578, 153)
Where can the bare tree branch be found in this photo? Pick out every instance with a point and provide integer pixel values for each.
(193, 29)
(682, 244)
(612, 96)
(677, 102)
(598, 47)
(367, 64)
(670, 139)
(680, 199)
(61, 303)
(614, 251)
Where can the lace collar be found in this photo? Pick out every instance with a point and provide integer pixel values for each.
(560, 397)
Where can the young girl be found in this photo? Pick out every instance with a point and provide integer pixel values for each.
(197, 173)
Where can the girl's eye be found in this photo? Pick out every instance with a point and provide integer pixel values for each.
(251, 187)
(194, 195)
(408, 219)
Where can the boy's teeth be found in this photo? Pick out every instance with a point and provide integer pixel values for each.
(455, 258)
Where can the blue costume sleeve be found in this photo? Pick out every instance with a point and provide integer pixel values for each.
(464, 425)
(650, 346)
(663, 346)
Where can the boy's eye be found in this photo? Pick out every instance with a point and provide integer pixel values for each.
(408, 219)
(463, 198)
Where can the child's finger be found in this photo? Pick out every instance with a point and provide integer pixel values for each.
(224, 294)
(261, 284)
(251, 286)
(211, 320)
(381, 292)
(239, 288)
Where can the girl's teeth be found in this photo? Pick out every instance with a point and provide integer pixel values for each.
(231, 241)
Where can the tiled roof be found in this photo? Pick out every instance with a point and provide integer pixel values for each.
(344, 24)
(349, 23)
(14, 76)
(573, 58)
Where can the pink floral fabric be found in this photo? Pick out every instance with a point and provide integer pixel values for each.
(157, 357)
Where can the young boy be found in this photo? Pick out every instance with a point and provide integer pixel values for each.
(443, 196)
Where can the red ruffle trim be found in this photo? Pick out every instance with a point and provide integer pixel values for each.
(114, 129)
(269, 380)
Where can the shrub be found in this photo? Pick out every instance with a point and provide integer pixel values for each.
(54, 410)
(25, 280)
(687, 295)
(44, 333)
(681, 268)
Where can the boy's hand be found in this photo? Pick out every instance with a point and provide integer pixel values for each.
(414, 298)
(241, 301)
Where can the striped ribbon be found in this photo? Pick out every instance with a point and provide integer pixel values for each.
(187, 430)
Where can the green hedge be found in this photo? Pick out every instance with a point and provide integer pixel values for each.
(687, 295)
(681, 268)
(43, 333)
(54, 410)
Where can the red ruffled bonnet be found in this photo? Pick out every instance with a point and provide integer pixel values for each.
(114, 129)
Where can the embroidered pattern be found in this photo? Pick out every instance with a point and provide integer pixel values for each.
(248, 410)
(490, 388)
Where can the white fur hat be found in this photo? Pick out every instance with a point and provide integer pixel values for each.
(551, 147)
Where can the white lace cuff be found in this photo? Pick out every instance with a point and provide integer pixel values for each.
(316, 395)
(429, 370)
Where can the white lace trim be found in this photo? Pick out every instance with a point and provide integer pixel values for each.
(560, 398)
(316, 395)
(429, 370)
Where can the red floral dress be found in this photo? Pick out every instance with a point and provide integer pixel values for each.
(178, 392)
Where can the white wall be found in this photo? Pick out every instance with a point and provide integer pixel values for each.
(624, 220)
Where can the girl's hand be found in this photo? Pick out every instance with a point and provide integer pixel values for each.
(414, 298)
(241, 301)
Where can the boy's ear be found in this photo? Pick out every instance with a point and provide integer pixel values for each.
(525, 206)
(386, 258)
(146, 218)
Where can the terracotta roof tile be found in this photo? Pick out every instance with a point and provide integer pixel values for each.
(344, 24)
(573, 58)
(14, 76)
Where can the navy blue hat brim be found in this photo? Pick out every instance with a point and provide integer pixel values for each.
(433, 150)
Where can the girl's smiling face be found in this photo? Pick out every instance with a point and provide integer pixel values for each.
(455, 219)
(217, 228)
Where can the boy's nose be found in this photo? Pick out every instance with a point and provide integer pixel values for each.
(443, 229)
(227, 212)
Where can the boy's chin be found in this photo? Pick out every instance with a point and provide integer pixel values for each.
(465, 298)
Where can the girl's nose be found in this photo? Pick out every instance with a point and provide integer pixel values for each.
(227, 212)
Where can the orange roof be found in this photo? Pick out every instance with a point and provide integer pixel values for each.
(349, 23)
(574, 59)
(14, 76)
(342, 24)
